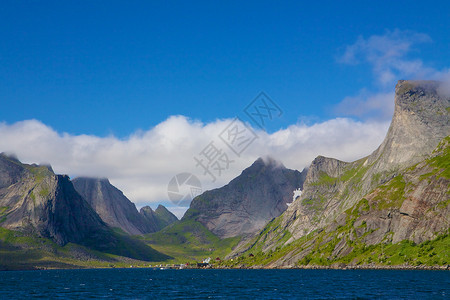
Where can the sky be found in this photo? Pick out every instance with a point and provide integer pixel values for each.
(139, 91)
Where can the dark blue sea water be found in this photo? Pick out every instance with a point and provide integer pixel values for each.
(219, 284)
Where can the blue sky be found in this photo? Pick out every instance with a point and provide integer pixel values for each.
(134, 90)
(114, 67)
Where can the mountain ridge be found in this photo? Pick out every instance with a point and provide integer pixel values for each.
(243, 206)
(116, 210)
(399, 192)
(38, 204)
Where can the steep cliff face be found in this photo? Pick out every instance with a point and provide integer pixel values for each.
(111, 205)
(249, 201)
(420, 122)
(116, 210)
(35, 203)
(33, 199)
(414, 205)
(398, 192)
(159, 218)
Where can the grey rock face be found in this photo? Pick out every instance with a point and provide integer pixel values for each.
(33, 199)
(11, 170)
(249, 201)
(159, 218)
(420, 122)
(332, 187)
(114, 207)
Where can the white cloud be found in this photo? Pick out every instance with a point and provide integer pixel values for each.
(390, 58)
(444, 88)
(142, 164)
(367, 105)
(387, 55)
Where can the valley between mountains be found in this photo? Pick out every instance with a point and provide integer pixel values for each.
(390, 208)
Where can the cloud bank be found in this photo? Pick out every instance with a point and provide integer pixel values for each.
(390, 57)
(143, 164)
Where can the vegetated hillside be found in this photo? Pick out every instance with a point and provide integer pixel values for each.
(248, 202)
(217, 220)
(20, 251)
(35, 202)
(400, 192)
(189, 240)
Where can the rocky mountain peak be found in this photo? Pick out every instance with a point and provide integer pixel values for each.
(158, 218)
(111, 204)
(420, 122)
(331, 166)
(265, 162)
(117, 210)
(36, 200)
(249, 201)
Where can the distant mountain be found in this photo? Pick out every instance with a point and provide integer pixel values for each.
(159, 218)
(248, 202)
(36, 202)
(34, 199)
(116, 210)
(399, 192)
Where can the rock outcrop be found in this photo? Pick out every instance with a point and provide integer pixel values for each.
(40, 204)
(248, 202)
(398, 192)
(420, 122)
(158, 218)
(35, 200)
(116, 210)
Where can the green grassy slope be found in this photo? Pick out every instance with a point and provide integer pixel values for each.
(317, 249)
(19, 251)
(350, 240)
(189, 240)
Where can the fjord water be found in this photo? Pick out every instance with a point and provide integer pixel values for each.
(242, 284)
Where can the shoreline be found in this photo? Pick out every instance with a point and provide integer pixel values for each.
(313, 267)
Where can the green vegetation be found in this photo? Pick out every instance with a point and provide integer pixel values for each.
(324, 179)
(114, 241)
(391, 194)
(271, 229)
(19, 251)
(189, 240)
(320, 249)
(39, 172)
(347, 243)
(354, 174)
(44, 192)
(433, 252)
(3, 209)
(3, 213)
(315, 204)
(441, 162)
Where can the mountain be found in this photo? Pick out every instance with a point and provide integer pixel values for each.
(35, 200)
(116, 210)
(38, 204)
(159, 218)
(398, 193)
(248, 202)
(218, 220)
